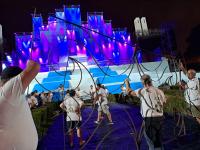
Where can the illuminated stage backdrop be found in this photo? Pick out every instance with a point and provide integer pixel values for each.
(54, 41)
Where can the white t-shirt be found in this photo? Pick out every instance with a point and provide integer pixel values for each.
(151, 101)
(192, 94)
(107, 92)
(103, 99)
(72, 104)
(29, 101)
(49, 97)
(66, 97)
(17, 129)
(92, 91)
(43, 97)
(124, 90)
(80, 93)
(34, 100)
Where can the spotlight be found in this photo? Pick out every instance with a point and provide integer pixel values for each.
(109, 45)
(65, 38)
(9, 58)
(123, 38)
(77, 47)
(20, 62)
(30, 50)
(40, 60)
(129, 38)
(23, 53)
(85, 41)
(113, 54)
(73, 32)
(3, 66)
(58, 38)
(68, 32)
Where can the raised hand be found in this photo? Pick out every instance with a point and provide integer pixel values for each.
(127, 83)
(128, 88)
(181, 65)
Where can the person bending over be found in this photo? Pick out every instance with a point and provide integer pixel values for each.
(152, 100)
(17, 129)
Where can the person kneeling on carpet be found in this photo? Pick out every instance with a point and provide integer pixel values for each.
(152, 100)
(102, 102)
(72, 105)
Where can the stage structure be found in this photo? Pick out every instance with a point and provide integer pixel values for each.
(153, 44)
(65, 34)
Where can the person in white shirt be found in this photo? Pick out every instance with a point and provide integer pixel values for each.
(81, 94)
(92, 92)
(106, 90)
(17, 128)
(34, 100)
(152, 100)
(44, 98)
(61, 92)
(67, 94)
(123, 95)
(72, 105)
(102, 102)
(192, 92)
(29, 101)
(123, 89)
(78, 92)
(49, 97)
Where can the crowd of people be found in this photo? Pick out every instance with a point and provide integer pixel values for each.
(36, 99)
(16, 120)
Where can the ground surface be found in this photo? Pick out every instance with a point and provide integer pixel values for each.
(121, 135)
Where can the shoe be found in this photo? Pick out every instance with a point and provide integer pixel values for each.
(71, 145)
(97, 122)
(110, 123)
(82, 143)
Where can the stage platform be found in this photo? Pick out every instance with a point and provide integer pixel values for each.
(110, 76)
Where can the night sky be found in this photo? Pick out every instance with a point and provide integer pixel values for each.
(184, 14)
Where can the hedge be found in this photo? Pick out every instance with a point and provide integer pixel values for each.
(175, 101)
(42, 117)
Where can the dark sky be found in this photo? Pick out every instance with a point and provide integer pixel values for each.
(185, 14)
